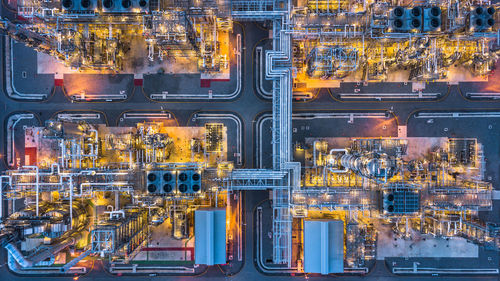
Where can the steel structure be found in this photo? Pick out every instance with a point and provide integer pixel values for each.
(346, 181)
(117, 232)
(105, 37)
(78, 162)
(290, 25)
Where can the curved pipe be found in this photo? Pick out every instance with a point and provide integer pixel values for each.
(71, 238)
(345, 170)
(45, 254)
(18, 256)
(116, 214)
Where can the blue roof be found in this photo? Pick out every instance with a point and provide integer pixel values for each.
(323, 246)
(210, 236)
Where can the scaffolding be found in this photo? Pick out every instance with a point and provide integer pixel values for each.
(253, 179)
(338, 198)
(258, 9)
(336, 51)
(328, 7)
(325, 61)
(127, 232)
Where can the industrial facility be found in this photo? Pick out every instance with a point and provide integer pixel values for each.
(104, 35)
(353, 40)
(195, 181)
(114, 191)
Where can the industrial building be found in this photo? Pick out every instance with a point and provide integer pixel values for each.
(90, 189)
(110, 191)
(161, 198)
(115, 35)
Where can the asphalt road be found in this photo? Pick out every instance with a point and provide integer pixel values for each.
(248, 106)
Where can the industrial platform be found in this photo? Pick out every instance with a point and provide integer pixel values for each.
(249, 140)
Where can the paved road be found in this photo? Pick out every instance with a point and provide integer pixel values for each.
(248, 106)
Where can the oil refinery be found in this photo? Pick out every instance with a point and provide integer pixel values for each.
(250, 139)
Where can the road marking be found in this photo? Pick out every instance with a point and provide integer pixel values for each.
(381, 96)
(147, 115)
(492, 114)
(483, 95)
(78, 116)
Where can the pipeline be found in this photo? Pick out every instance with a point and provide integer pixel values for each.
(73, 262)
(49, 252)
(68, 239)
(369, 165)
(330, 168)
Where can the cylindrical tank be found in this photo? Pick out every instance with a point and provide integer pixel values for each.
(370, 165)
(108, 4)
(57, 227)
(398, 11)
(38, 228)
(126, 4)
(67, 4)
(86, 4)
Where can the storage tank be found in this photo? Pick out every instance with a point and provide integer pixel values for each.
(370, 165)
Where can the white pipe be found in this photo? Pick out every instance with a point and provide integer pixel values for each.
(345, 170)
(113, 214)
(89, 184)
(37, 191)
(37, 185)
(337, 171)
(70, 202)
(314, 153)
(18, 256)
(52, 168)
(338, 150)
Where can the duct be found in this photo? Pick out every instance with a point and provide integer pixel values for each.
(40, 257)
(369, 165)
(73, 262)
(46, 263)
(12, 263)
(345, 170)
(116, 214)
(16, 268)
(17, 255)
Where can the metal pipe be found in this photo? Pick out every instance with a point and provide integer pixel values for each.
(70, 202)
(74, 261)
(37, 186)
(17, 255)
(314, 153)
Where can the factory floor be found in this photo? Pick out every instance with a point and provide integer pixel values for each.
(163, 247)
